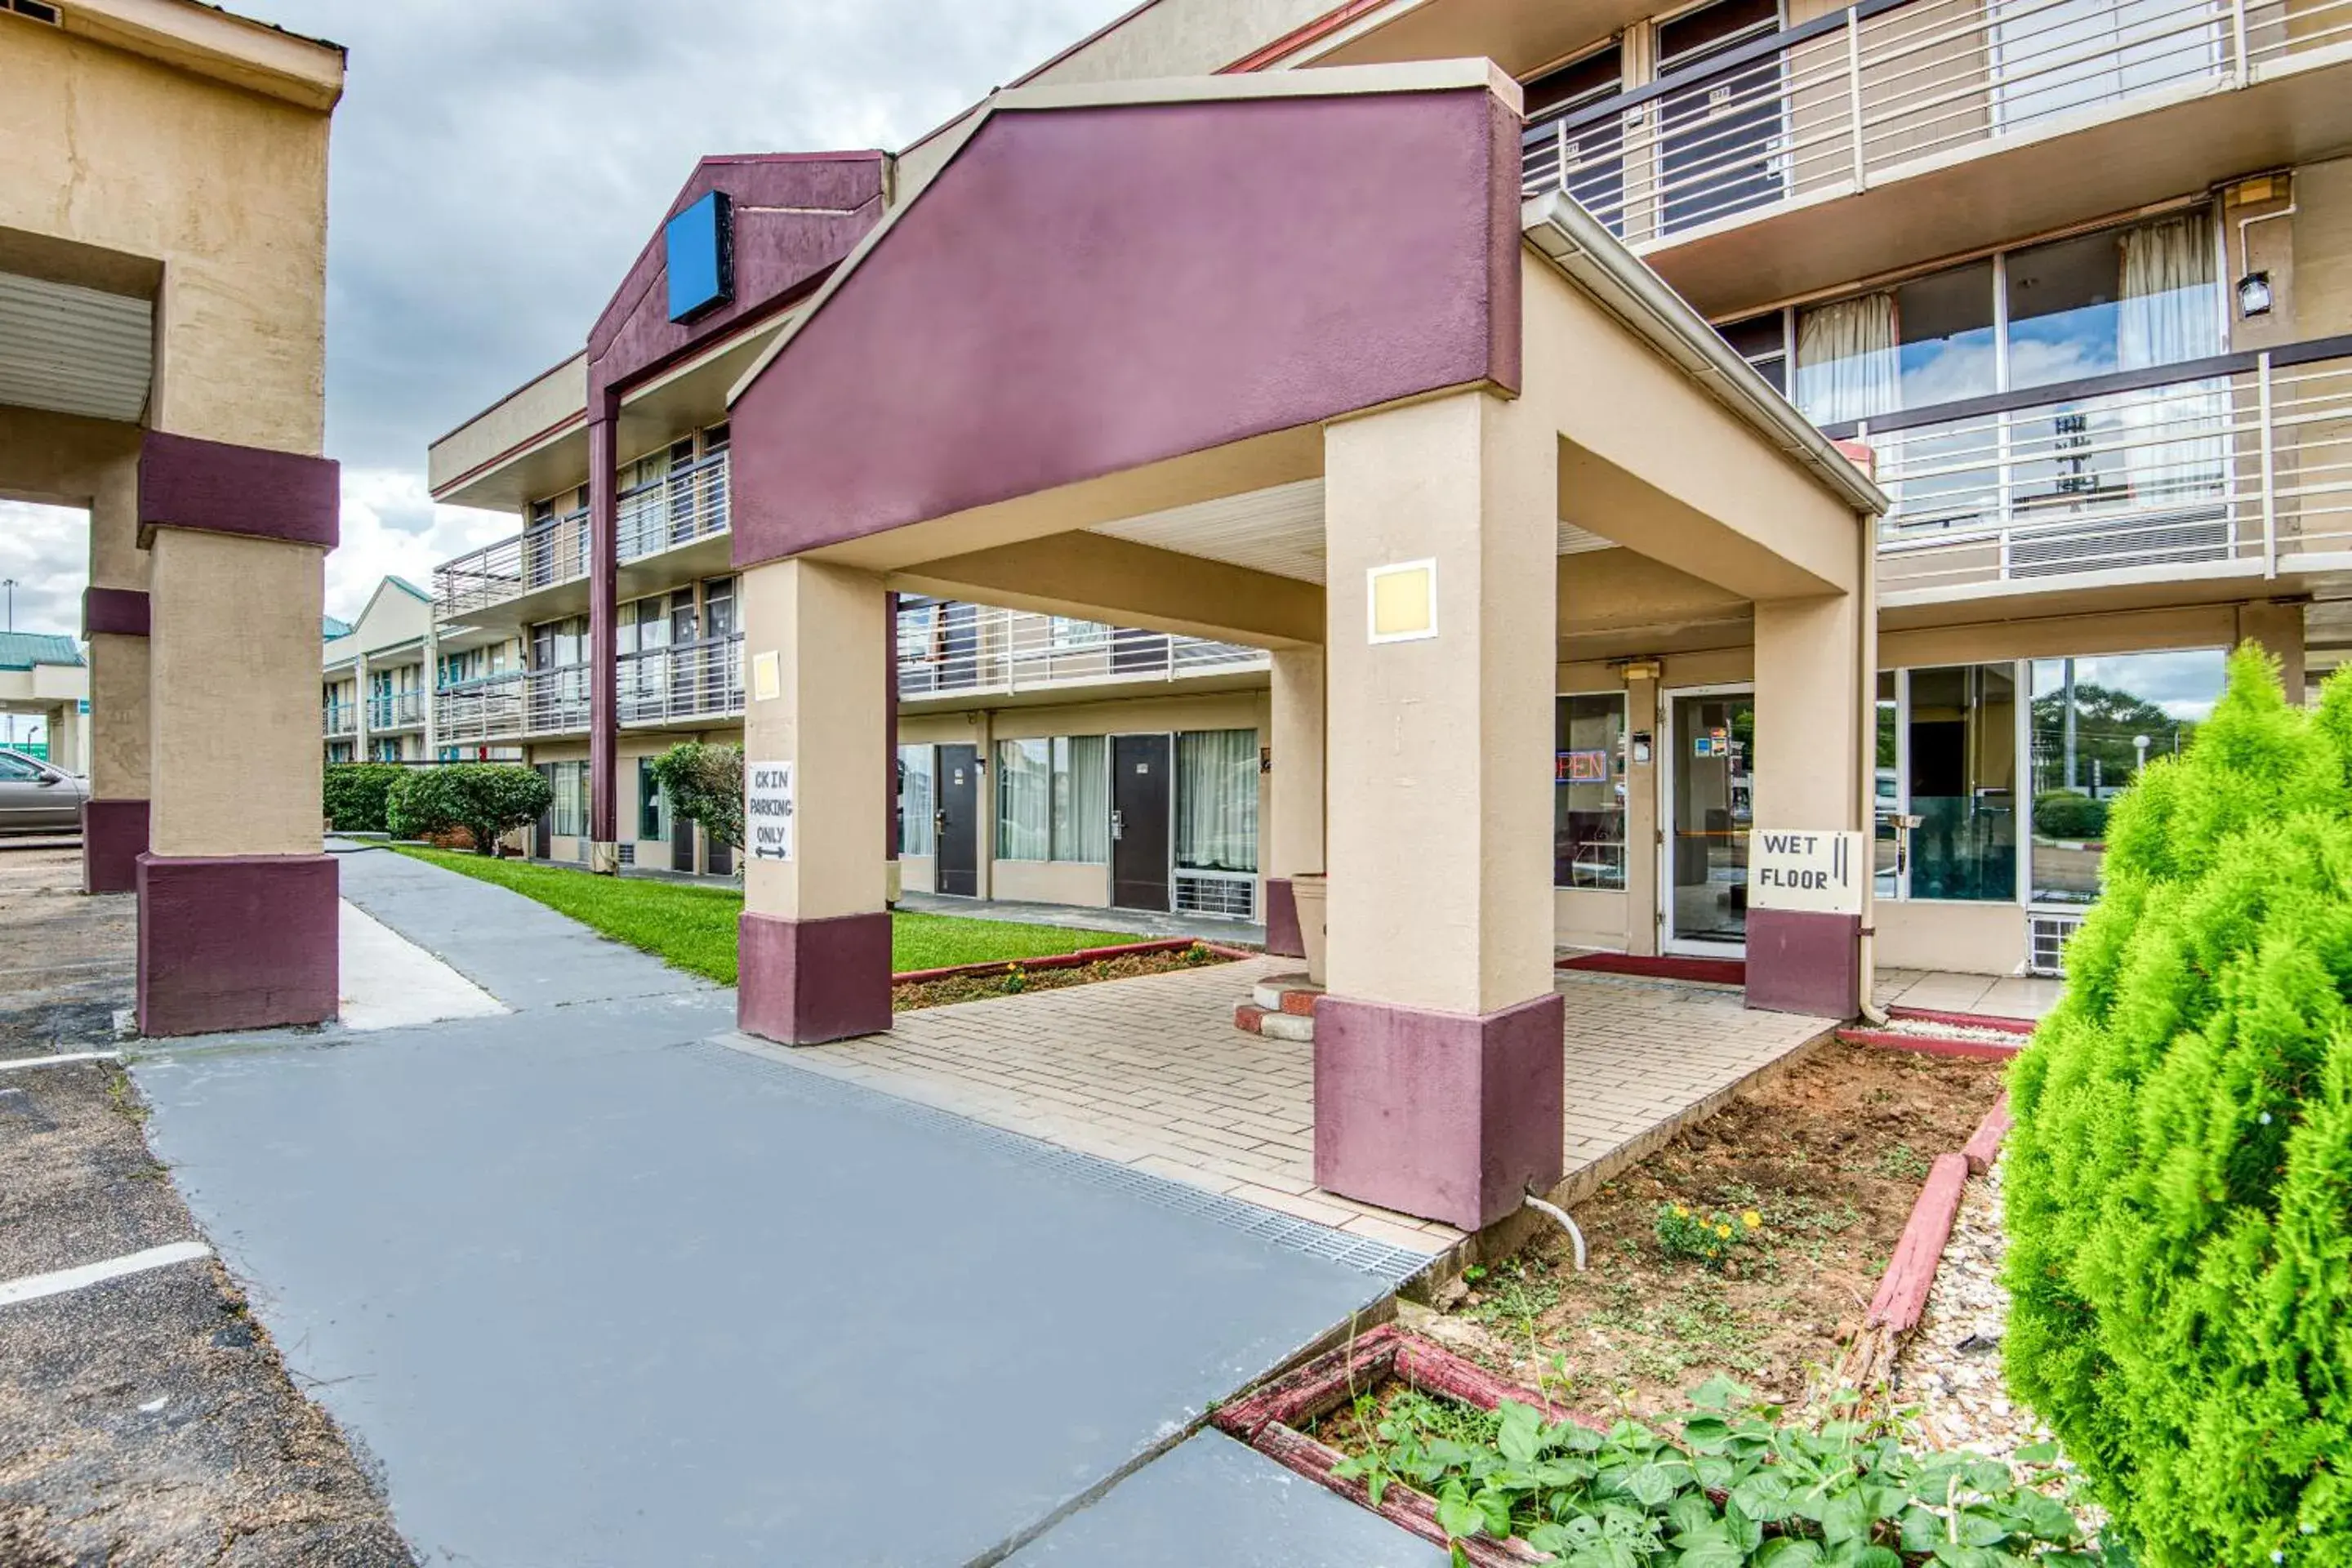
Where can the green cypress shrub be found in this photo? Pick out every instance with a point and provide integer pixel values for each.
(2179, 1182)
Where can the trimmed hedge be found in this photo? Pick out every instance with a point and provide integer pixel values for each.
(2063, 814)
(2179, 1182)
(485, 798)
(355, 795)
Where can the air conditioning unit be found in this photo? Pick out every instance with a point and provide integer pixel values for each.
(2046, 943)
(1228, 894)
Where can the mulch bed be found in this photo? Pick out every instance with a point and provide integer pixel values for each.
(1015, 979)
(1828, 1158)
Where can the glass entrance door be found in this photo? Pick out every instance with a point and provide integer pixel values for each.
(1710, 805)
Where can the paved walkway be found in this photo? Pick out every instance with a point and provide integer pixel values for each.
(2003, 996)
(594, 1286)
(1151, 1073)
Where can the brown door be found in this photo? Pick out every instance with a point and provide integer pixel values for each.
(1139, 770)
(956, 869)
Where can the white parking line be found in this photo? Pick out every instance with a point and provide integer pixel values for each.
(33, 1287)
(53, 1061)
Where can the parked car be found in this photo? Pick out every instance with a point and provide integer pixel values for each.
(38, 798)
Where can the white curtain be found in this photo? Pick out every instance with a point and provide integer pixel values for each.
(1216, 800)
(2175, 450)
(1082, 799)
(1023, 800)
(916, 807)
(1846, 363)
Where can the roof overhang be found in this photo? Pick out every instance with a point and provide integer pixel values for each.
(1584, 252)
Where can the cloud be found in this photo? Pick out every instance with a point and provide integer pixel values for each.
(495, 167)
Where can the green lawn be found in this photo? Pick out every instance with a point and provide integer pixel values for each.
(693, 927)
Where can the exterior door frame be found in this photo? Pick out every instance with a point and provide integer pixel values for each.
(1669, 941)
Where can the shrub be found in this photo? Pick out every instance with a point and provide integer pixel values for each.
(1709, 1239)
(486, 799)
(2179, 1181)
(2063, 814)
(705, 783)
(356, 793)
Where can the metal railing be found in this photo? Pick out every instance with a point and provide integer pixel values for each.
(398, 711)
(551, 551)
(480, 711)
(2242, 462)
(951, 648)
(339, 717)
(682, 506)
(555, 700)
(1832, 104)
(685, 681)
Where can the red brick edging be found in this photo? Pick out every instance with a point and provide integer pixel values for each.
(1969, 1020)
(1077, 960)
(1265, 1419)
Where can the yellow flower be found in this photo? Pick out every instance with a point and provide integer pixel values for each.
(1752, 1220)
(1723, 1231)
(1681, 1213)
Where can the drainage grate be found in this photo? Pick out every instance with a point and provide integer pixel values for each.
(1392, 1265)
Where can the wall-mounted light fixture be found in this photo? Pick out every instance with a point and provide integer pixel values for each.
(2254, 294)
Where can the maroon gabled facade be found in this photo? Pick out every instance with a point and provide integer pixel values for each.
(1087, 289)
(794, 216)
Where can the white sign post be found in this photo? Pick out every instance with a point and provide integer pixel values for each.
(1818, 872)
(768, 809)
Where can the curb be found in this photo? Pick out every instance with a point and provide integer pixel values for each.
(1077, 960)
(1931, 1044)
(1965, 1020)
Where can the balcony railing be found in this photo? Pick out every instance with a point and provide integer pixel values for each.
(476, 711)
(551, 551)
(687, 680)
(401, 711)
(555, 700)
(1829, 105)
(952, 648)
(682, 506)
(339, 717)
(2242, 463)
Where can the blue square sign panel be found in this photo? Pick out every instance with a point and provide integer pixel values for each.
(699, 243)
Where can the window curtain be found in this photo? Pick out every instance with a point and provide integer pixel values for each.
(1023, 800)
(1846, 361)
(1082, 799)
(1216, 800)
(2176, 450)
(916, 807)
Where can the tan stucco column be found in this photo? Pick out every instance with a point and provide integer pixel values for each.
(237, 898)
(1438, 1051)
(2278, 628)
(116, 620)
(1293, 840)
(65, 731)
(814, 940)
(1815, 755)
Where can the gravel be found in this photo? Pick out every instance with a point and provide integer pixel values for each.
(1950, 1369)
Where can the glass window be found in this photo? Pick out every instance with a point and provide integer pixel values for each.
(918, 805)
(1082, 798)
(1886, 791)
(2124, 299)
(1216, 800)
(1588, 809)
(569, 814)
(2095, 723)
(653, 810)
(1024, 791)
(1762, 341)
(1962, 743)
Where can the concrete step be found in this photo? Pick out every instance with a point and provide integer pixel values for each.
(1273, 1024)
(1286, 993)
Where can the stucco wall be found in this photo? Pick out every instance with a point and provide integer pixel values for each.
(232, 201)
(1053, 882)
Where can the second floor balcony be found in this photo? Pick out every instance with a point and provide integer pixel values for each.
(683, 506)
(552, 552)
(513, 706)
(953, 650)
(400, 711)
(1756, 128)
(2235, 465)
(682, 681)
(337, 718)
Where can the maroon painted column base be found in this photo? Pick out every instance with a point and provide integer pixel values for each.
(114, 836)
(1282, 937)
(236, 941)
(1441, 1115)
(1802, 961)
(803, 983)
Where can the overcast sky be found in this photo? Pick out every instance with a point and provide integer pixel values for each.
(496, 166)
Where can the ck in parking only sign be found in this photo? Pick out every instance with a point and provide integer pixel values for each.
(768, 809)
(1818, 872)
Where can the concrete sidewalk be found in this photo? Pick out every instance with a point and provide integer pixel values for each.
(594, 1287)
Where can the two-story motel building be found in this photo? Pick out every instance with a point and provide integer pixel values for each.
(2077, 273)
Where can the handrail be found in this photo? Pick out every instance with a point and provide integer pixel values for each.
(950, 648)
(702, 678)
